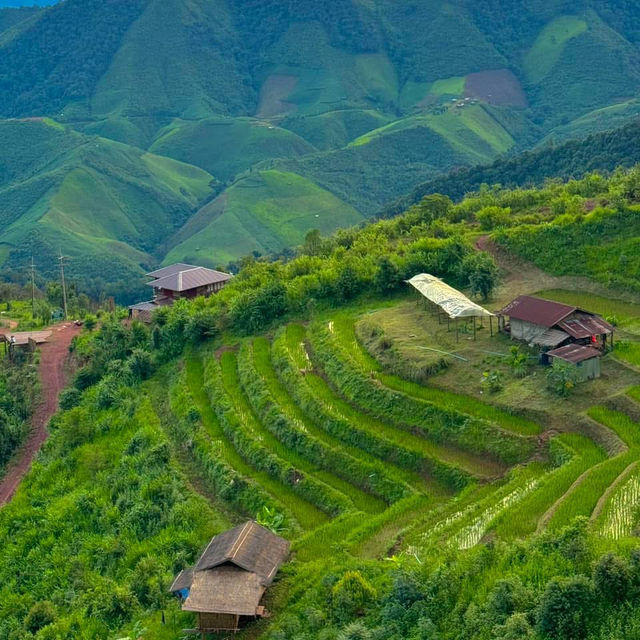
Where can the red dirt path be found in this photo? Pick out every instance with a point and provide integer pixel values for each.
(52, 376)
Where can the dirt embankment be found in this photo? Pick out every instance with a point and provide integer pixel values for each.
(53, 357)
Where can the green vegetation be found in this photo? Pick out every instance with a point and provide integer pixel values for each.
(262, 214)
(183, 130)
(18, 395)
(308, 432)
(549, 45)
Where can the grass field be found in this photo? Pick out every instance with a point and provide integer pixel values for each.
(584, 498)
(549, 45)
(264, 212)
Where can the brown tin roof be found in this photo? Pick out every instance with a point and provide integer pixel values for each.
(250, 547)
(537, 310)
(583, 325)
(191, 278)
(575, 353)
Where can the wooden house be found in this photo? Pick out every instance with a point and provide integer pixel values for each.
(550, 325)
(175, 282)
(227, 584)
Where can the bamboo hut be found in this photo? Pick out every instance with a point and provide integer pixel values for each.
(226, 587)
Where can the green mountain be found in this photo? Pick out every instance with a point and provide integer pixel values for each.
(435, 483)
(603, 151)
(361, 100)
(106, 205)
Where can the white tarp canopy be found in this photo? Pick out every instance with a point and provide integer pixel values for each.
(450, 300)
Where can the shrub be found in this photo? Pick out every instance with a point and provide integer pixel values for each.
(70, 398)
(566, 608)
(611, 578)
(562, 378)
(492, 380)
(40, 615)
(352, 594)
(492, 217)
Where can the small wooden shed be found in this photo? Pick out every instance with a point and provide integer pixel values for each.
(226, 586)
(586, 360)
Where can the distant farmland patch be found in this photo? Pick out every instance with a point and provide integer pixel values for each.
(273, 95)
(499, 87)
(548, 47)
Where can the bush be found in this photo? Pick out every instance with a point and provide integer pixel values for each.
(492, 217)
(352, 594)
(40, 615)
(562, 379)
(611, 578)
(70, 398)
(566, 608)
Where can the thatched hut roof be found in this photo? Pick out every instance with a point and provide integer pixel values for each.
(225, 589)
(250, 547)
(233, 572)
(182, 581)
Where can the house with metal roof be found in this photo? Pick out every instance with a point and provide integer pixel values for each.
(550, 325)
(178, 281)
(227, 584)
(585, 360)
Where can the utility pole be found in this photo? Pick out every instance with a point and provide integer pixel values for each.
(33, 289)
(64, 288)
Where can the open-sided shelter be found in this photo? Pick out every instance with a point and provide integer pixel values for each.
(226, 586)
(453, 303)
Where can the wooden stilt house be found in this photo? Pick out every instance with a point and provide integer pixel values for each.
(227, 585)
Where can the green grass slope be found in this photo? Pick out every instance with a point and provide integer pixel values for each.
(226, 147)
(265, 212)
(379, 165)
(106, 205)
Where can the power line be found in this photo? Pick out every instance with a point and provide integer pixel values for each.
(33, 288)
(64, 288)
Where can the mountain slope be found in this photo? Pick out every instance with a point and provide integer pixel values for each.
(106, 205)
(264, 213)
(362, 101)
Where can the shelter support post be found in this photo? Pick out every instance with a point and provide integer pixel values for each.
(457, 337)
(474, 327)
(491, 326)
(448, 319)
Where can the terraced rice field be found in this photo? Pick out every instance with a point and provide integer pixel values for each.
(307, 423)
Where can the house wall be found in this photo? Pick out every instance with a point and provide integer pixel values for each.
(586, 370)
(526, 331)
(213, 621)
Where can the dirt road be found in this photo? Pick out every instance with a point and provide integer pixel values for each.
(53, 357)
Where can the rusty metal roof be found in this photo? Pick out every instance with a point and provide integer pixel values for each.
(537, 310)
(583, 325)
(191, 278)
(575, 353)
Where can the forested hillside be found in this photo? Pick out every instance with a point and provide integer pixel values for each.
(460, 492)
(286, 104)
(597, 152)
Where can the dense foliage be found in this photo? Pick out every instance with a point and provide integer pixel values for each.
(555, 587)
(325, 116)
(18, 395)
(573, 159)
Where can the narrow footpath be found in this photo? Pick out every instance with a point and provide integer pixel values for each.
(53, 355)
